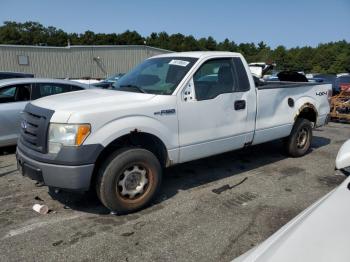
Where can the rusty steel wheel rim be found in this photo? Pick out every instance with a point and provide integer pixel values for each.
(134, 183)
(302, 138)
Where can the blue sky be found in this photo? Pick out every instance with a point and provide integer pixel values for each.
(289, 23)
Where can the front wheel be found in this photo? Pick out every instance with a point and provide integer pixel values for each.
(299, 141)
(128, 180)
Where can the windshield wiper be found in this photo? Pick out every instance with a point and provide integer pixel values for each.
(135, 87)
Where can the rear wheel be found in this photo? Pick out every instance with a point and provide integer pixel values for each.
(128, 180)
(299, 141)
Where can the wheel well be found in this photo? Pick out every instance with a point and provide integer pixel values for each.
(134, 139)
(308, 112)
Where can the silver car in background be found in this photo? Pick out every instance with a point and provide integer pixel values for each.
(17, 92)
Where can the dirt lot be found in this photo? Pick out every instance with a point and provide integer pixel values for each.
(199, 215)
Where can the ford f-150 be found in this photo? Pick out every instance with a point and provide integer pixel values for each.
(170, 109)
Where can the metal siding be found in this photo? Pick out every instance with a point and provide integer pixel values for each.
(75, 61)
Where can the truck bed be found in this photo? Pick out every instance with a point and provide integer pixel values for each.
(278, 103)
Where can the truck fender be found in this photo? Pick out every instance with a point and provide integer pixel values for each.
(304, 104)
(126, 125)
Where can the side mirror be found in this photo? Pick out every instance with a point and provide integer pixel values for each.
(188, 92)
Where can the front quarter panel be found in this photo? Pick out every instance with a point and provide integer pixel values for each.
(137, 123)
(157, 116)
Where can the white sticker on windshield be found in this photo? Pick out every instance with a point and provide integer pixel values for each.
(179, 62)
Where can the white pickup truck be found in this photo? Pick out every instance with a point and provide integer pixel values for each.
(170, 109)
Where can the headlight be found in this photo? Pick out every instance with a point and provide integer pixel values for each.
(66, 135)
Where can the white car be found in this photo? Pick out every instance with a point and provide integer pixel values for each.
(320, 233)
(86, 81)
(259, 69)
(170, 109)
(16, 93)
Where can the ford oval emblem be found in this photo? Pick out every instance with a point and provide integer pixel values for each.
(24, 124)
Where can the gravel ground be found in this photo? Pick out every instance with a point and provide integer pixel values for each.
(213, 209)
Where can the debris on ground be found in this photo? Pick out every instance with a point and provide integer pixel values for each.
(227, 187)
(38, 199)
(41, 209)
(127, 234)
(340, 105)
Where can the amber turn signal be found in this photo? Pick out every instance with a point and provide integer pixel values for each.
(82, 134)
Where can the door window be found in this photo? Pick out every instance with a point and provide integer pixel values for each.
(213, 78)
(8, 91)
(48, 89)
(15, 93)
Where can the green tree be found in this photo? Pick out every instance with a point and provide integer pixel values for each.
(333, 57)
(131, 38)
(279, 56)
(88, 38)
(226, 45)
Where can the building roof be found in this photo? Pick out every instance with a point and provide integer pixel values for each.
(85, 46)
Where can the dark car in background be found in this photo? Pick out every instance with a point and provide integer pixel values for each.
(326, 79)
(109, 81)
(340, 81)
(6, 75)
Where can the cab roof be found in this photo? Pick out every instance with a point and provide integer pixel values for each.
(199, 54)
(14, 81)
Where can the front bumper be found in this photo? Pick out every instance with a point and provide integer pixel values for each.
(59, 176)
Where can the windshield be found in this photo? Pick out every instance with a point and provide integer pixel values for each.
(156, 75)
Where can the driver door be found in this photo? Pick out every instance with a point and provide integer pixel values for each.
(212, 111)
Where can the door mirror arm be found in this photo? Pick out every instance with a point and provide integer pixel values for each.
(188, 94)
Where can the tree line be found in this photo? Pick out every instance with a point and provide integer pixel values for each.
(333, 57)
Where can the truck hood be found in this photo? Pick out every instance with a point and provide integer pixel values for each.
(320, 233)
(92, 98)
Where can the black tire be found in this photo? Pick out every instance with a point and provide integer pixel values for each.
(299, 141)
(131, 167)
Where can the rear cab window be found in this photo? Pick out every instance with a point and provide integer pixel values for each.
(243, 84)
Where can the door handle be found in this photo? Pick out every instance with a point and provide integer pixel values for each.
(239, 104)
